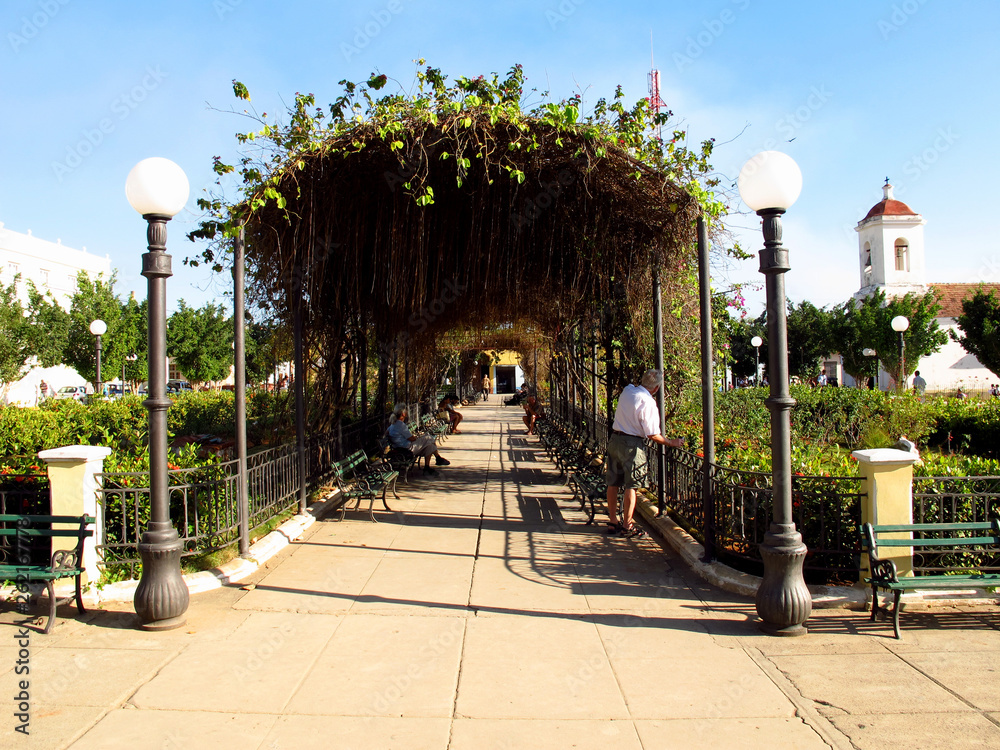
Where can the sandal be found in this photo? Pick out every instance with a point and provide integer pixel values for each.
(613, 528)
(633, 532)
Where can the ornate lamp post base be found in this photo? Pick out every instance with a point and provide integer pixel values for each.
(161, 599)
(783, 601)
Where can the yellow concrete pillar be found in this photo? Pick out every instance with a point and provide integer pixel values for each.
(888, 474)
(73, 487)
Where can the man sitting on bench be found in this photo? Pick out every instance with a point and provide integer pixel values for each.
(533, 411)
(401, 438)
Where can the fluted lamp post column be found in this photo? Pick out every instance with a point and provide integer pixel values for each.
(769, 183)
(157, 188)
(98, 328)
(899, 324)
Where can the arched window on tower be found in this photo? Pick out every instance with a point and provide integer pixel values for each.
(902, 255)
(867, 271)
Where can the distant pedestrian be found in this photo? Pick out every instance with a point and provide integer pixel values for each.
(44, 387)
(960, 394)
(821, 380)
(487, 387)
(636, 419)
(995, 390)
(919, 384)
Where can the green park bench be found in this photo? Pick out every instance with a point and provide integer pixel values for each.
(64, 563)
(939, 537)
(359, 479)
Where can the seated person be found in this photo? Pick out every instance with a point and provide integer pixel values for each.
(533, 411)
(401, 438)
(452, 414)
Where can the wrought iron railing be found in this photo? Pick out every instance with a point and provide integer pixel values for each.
(203, 501)
(25, 494)
(827, 510)
(955, 500)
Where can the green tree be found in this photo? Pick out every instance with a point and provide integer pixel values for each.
(132, 339)
(872, 323)
(808, 338)
(200, 341)
(980, 327)
(94, 300)
(745, 355)
(845, 336)
(48, 329)
(14, 347)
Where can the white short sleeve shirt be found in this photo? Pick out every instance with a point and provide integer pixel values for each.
(637, 413)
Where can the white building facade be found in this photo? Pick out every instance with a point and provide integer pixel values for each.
(892, 257)
(52, 266)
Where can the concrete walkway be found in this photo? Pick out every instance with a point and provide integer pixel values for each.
(483, 614)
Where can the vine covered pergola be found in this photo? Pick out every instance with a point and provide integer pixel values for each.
(457, 218)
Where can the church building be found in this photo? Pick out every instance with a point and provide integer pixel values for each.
(891, 257)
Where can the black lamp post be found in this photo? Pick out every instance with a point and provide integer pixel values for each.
(899, 324)
(157, 188)
(98, 328)
(769, 183)
(755, 342)
(871, 353)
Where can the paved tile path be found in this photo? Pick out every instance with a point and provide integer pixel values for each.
(483, 614)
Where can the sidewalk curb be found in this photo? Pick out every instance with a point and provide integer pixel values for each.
(823, 597)
(234, 571)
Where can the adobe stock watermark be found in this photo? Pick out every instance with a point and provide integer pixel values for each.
(988, 273)
(918, 164)
(224, 7)
(536, 206)
(364, 33)
(263, 653)
(401, 683)
(711, 30)
(121, 107)
(788, 126)
(900, 15)
(31, 26)
(561, 13)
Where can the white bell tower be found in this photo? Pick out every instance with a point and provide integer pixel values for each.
(891, 248)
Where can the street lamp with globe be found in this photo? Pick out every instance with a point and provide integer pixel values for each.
(158, 189)
(872, 353)
(899, 324)
(98, 328)
(755, 342)
(769, 184)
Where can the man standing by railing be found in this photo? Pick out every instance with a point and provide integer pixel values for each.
(637, 418)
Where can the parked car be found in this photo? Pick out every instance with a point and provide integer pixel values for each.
(78, 392)
(178, 386)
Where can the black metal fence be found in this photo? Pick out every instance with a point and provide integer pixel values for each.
(955, 500)
(25, 494)
(827, 509)
(204, 501)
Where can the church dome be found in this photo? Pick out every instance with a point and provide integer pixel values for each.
(889, 206)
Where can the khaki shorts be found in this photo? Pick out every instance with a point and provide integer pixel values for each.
(625, 464)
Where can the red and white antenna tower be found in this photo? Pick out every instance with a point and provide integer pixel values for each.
(655, 102)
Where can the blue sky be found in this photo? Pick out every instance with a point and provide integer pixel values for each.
(854, 91)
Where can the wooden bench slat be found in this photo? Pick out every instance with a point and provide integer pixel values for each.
(938, 542)
(15, 517)
(972, 526)
(24, 531)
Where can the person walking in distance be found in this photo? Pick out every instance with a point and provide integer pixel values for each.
(487, 387)
(637, 419)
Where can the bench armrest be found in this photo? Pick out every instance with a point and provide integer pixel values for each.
(884, 571)
(64, 561)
